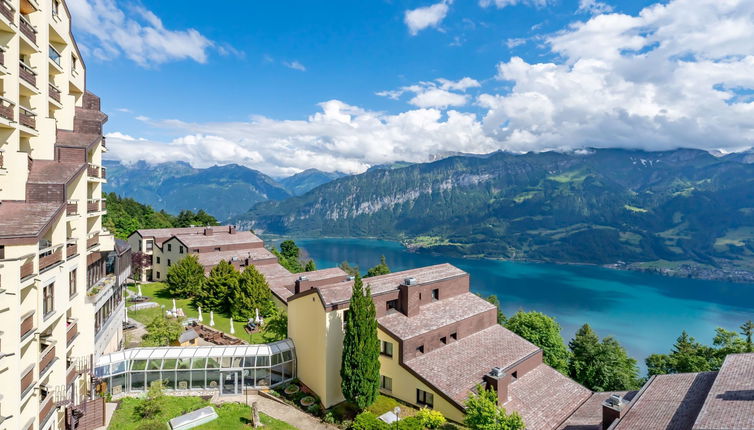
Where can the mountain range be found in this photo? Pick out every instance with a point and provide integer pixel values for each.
(223, 191)
(601, 206)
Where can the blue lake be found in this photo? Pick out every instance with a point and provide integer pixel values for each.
(645, 312)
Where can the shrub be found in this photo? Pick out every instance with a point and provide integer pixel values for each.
(151, 425)
(410, 423)
(151, 405)
(430, 418)
(368, 421)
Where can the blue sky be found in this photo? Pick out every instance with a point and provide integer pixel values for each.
(285, 85)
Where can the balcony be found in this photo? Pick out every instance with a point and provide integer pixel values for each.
(2, 161)
(27, 269)
(55, 56)
(6, 108)
(7, 10)
(92, 241)
(54, 93)
(27, 118)
(92, 206)
(27, 380)
(27, 324)
(72, 331)
(72, 208)
(48, 356)
(27, 29)
(96, 172)
(104, 143)
(49, 257)
(2, 57)
(70, 373)
(27, 74)
(46, 408)
(71, 248)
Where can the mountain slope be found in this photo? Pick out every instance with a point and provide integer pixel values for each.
(224, 191)
(303, 182)
(598, 206)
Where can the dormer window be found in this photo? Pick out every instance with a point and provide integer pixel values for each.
(392, 305)
(454, 335)
(435, 294)
(420, 349)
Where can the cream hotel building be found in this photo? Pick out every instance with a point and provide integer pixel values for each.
(57, 310)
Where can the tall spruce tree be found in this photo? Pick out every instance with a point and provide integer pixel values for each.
(747, 329)
(250, 293)
(601, 366)
(223, 279)
(360, 368)
(186, 277)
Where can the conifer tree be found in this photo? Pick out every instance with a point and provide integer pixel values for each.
(186, 277)
(250, 293)
(360, 368)
(223, 279)
(380, 269)
(747, 329)
(310, 266)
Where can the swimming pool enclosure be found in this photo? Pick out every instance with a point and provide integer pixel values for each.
(228, 369)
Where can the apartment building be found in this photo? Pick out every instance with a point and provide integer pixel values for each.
(52, 243)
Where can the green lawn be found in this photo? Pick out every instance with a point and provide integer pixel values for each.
(231, 416)
(157, 292)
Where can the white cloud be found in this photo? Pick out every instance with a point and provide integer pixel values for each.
(441, 93)
(504, 3)
(295, 65)
(428, 16)
(108, 32)
(594, 7)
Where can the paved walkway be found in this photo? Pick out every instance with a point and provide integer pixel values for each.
(280, 411)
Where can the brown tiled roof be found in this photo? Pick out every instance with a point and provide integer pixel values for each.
(69, 138)
(435, 315)
(283, 283)
(54, 172)
(219, 238)
(668, 402)
(589, 415)
(456, 368)
(213, 258)
(545, 397)
(341, 292)
(730, 402)
(162, 234)
(22, 219)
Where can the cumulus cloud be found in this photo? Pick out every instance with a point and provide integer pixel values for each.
(594, 7)
(428, 16)
(295, 65)
(679, 74)
(109, 32)
(504, 3)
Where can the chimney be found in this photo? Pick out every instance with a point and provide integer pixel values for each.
(208, 231)
(231, 229)
(612, 409)
(497, 381)
(302, 284)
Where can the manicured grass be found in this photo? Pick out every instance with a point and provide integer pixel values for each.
(158, 293)
(231, 416)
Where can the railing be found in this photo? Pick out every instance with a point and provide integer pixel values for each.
(104, 142)
(46, 408)
(54, 55)
(2, 57)
(70, 373)
(7, 10)
(103, 203)
(54, 93)
(92, 205)
(27, 380)
(92, 241)
(103, 175)
(27, 29)
(95, 171)
(6, 108)
(72, 207)
(71, 332)
(27, 324)
(48, 355)
(27, 74)
(71, 248)
(27, 269)
(49, 257)
(2, 161)
(27, 117)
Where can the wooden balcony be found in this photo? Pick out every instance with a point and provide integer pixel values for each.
(92, 206)
(27, 269)
(71, 248)
(92, 241)
(72, 207)
(50, 256)
(48, 356)
(27, 380)
(27, 29)
(95, 171)
(6, 109)
(2, 159)
(54, 93)
(72, 332)
(46, 408)
(2, 56)
(70, 374)
(27, 74)
(27, 118)
(27, 324)
(7, 10)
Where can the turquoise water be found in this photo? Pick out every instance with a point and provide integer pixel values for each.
(645, 312)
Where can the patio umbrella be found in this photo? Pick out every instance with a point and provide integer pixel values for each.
(211, 318)
(200, 315)
(232, 330)
(125, 317)
(174, 309)
(140, 290)
(256, 319)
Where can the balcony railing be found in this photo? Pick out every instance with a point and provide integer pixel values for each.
(27, 324)
(48, 355)
(72, 207)
(92, 206)
(2, 159)
(7, 10)
(27, 117)
(54, 55)
(72, 331)
(93, 171)
(6, 108)
(46, 408)
(92, 241)
(27, 380)
(70, 373)
(54, 93)
(104, 142)
(49, 257)
(27, 74)
(71, 248)
(2, 57)
(28, 30)
(27, 269)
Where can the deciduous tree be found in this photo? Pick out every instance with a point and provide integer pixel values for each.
(483, 413)
(544, 332)
(161, 331)
(380, 269)
(310, 266)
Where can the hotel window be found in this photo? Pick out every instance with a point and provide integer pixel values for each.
(2, 252)
(386, 348)
(435, 295)
(55, 8)
(48, 299)
(72, 283)
(420, 349)
(158, 260)
(170, 247)
(150, 245)
(196, 251)
(454, 335)
(169, 262)
(392, 304)
(514, 376)
(158, 275)
(424, 398)
(386, 383)
(444, 340)
(180, 249)
(217, 249)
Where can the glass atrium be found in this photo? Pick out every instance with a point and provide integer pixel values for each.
(228, 369)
